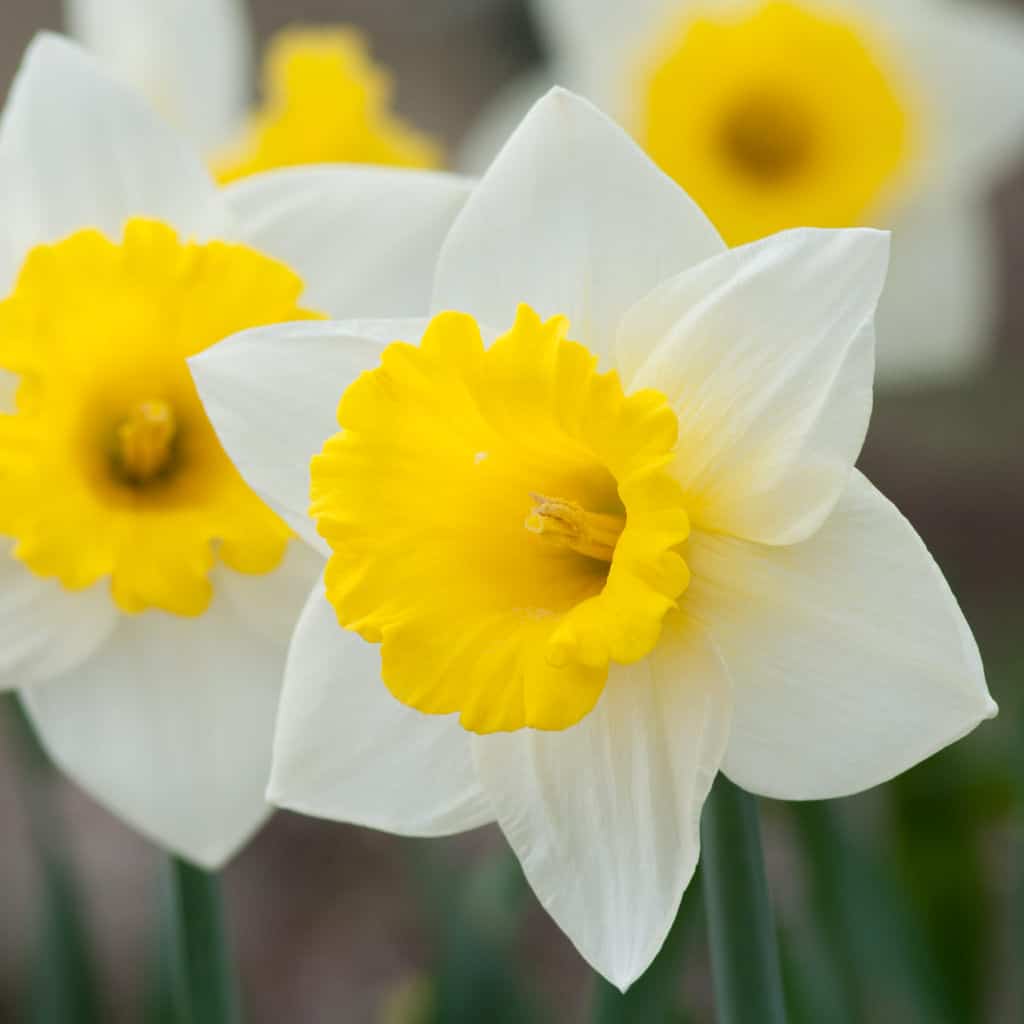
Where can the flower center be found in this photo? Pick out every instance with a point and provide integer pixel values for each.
(567, 524)
(324, 102)
(144, 442)
(502, 522)
(777, 116)
(767, 137)
(109, 468)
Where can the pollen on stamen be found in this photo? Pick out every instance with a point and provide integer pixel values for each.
(567, 524)
(144, 442)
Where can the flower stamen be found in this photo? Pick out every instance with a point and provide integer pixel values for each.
(144, 442)
(568, 524)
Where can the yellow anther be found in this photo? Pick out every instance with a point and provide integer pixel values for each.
(568, 524)
(144, 441)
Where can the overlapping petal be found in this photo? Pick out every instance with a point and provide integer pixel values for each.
(272, 397)
(573, 219)
(605, 816)
(365, 241)
(346, 749)
(767, 354)
(849, 657)
(78, 150)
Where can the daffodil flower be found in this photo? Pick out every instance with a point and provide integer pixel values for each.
(776, 114)
(147, 594)
(595, 535)
(324, 100)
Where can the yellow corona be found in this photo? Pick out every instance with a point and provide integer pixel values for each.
(324, 102)
(776, 117)
(502, 522)
(109, 468)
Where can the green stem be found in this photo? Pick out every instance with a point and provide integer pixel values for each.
(202, 972)
(828, 858)
(741, 929)
(64, 986)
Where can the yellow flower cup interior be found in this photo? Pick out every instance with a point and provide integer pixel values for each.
(777, 116)
(109, 466)
(502, 522)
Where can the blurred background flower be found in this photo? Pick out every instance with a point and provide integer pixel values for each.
(828, 113)
(904, 904)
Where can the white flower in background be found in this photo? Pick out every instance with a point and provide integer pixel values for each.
(570, 581)
(818, 113)
(324, 101)
(192, 59)
(147, 594)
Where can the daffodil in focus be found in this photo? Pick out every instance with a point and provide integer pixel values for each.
(594, 535)
(775, 114)
(147, 592)
(323, 98)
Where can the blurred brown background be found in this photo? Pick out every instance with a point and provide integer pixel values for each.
(329, 920)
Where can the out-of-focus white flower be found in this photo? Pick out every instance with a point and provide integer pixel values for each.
(570, 581)
(821, 113)
(192, 59)
(324, 100)
(147, 594)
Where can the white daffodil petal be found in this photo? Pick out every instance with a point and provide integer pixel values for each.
(849, 657)
(605, 816)
(270, 603)
(46, 630)
(573, 219)
(170, 726)
(346, 749)
(77, 150)
(499, 119)
(272, 396)
(767, 354)
(191, 58)
(364, 240)
(969, 61)
(936, 317)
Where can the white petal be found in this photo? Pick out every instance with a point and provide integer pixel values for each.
(170, 726)
(190, 58)
(272, 396)
(270, 603)
(46, 630)
(347, 750)
(365, 240)
(766, 353)
(573, 219)
(968, 62)
(936, 317)
(491, 128)
(605, 817)
(849, 657)
(78, 151)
